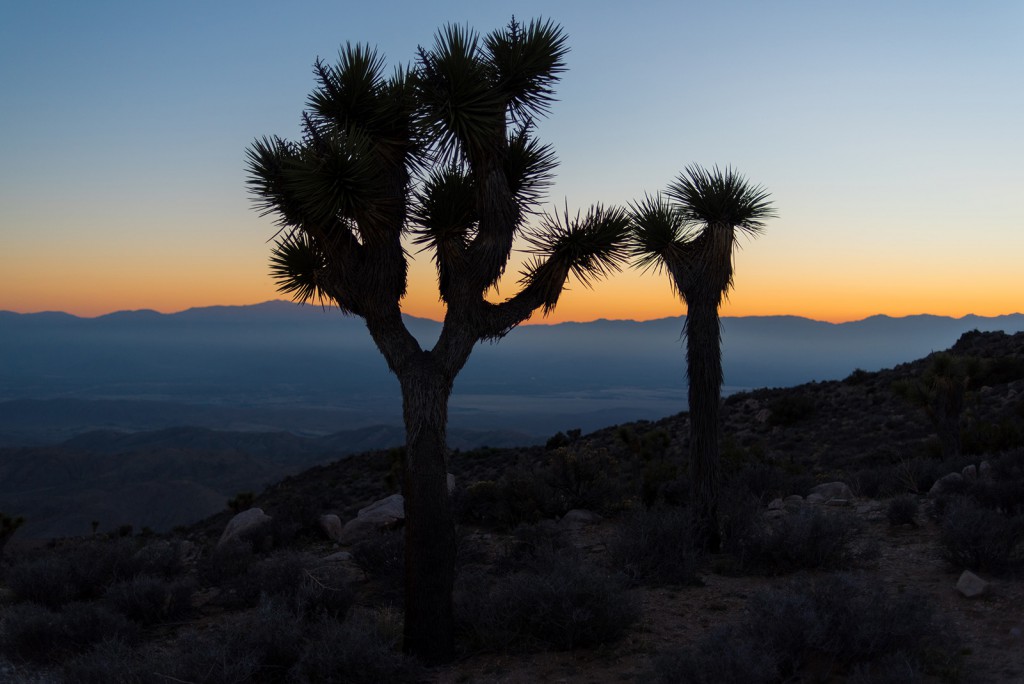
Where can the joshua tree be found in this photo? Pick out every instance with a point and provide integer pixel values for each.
(691, 233)
(443, 153)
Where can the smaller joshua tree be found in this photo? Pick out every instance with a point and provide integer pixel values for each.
(691, 232)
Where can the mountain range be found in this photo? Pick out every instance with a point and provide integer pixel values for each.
(279, 366)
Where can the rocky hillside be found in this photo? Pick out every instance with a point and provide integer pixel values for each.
(847, 546)
(856, 430)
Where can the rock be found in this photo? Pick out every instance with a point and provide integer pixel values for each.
(245, 524)
(451, 483)
(188, 551)
(383, 514)
(970, 585)
(793, 502)
(338, 557)
(837, 502)
(815, 498)
(969, 473)
(775, 505)
(869, 507)
(578, 517)
(985, 470)
(833, 490)
(945, 482)
(390, 507)
(763, 415)
(331, 525)
(776, 514)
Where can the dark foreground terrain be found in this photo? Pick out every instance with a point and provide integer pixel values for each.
(845, 539)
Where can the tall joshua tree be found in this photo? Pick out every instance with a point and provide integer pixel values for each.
(690, 232)
(444, 155)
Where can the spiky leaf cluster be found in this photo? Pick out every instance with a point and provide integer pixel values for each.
(689, 230)
(446, 152)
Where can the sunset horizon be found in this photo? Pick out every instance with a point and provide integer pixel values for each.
(884, 135)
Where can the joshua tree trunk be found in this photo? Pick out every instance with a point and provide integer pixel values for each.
(429, 526)
(704, 368)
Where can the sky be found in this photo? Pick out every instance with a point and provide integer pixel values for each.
(888, 134)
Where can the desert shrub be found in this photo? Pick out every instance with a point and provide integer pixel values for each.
(585, 478)
(1000, 370)
(519, 496)
(893, 668)
(532, 547)
(359, 651)
(149, 600)
(657, 546)
(989, 436)
(766, 481)
(37, 634)
(227, 561)
(324, 592)
(381, 555)
(111, 661)
(902, 510)
(566, 605)
(482, 503)
(1004, 496)
(76, 574)
(808, 539)
(162, 558)
(279, 574)
(843, 623)
(657, 479)
(724, 655)
(875, 483)
(31, 633)
(791, 408)
(259, 647)
(981, 539)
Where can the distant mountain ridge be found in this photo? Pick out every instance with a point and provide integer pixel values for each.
(169, 477)
(280, 366)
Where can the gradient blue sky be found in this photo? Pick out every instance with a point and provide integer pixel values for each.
(889, 133)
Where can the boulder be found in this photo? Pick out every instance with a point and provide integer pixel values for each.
(337, 557)
(383, 514)
(578, 517)
(833, 490)
(389, 507)
(969, 473)
(331, 525)
(970, 585)
(775, 505)
(244, 525)
(945, 482)
(985, 470)
(793, 502)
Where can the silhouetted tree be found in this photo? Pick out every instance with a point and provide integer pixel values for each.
(690, 232)
(445, 153)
